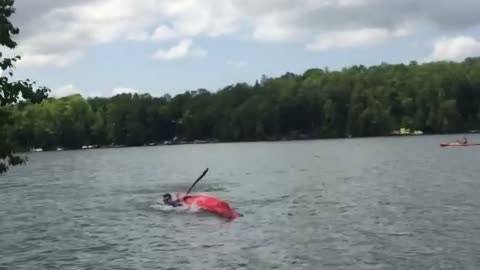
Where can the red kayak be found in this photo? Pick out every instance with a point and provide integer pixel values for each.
(208, 203)
(458, 144)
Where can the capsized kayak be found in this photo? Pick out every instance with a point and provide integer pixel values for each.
(208, 203)
(458, 144)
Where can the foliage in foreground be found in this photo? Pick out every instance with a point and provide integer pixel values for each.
(11, 91)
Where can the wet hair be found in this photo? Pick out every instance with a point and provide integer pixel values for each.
(167, 197)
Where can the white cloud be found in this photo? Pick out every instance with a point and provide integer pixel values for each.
(70, 27)
(270, 31)
(456, 48)
(183, 49)
(49, 59)
(163, 33)
(138, 36)
(74, 25)
(353, 38)
(213, 18)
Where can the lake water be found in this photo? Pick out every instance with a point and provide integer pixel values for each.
(376, 203)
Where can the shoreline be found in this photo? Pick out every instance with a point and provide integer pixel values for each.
(197, 142)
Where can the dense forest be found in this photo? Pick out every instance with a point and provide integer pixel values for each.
(438, 97)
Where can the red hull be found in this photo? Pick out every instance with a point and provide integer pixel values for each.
(209, 203)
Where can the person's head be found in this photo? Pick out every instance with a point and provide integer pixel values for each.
(167, 198)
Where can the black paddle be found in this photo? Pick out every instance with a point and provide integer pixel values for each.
(196, 181)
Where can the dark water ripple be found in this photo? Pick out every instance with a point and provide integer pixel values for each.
(383, 203)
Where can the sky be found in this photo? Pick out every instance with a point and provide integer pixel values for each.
(107, 47)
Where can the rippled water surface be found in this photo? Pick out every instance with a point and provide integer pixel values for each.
(379, 203)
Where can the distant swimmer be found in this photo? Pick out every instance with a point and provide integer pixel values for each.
(167, 199)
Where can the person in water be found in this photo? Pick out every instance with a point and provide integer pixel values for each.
(464, 141)
(167, 199)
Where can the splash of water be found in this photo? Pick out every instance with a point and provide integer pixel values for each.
(184, 208)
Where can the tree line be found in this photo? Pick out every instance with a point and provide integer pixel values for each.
(436, 97)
